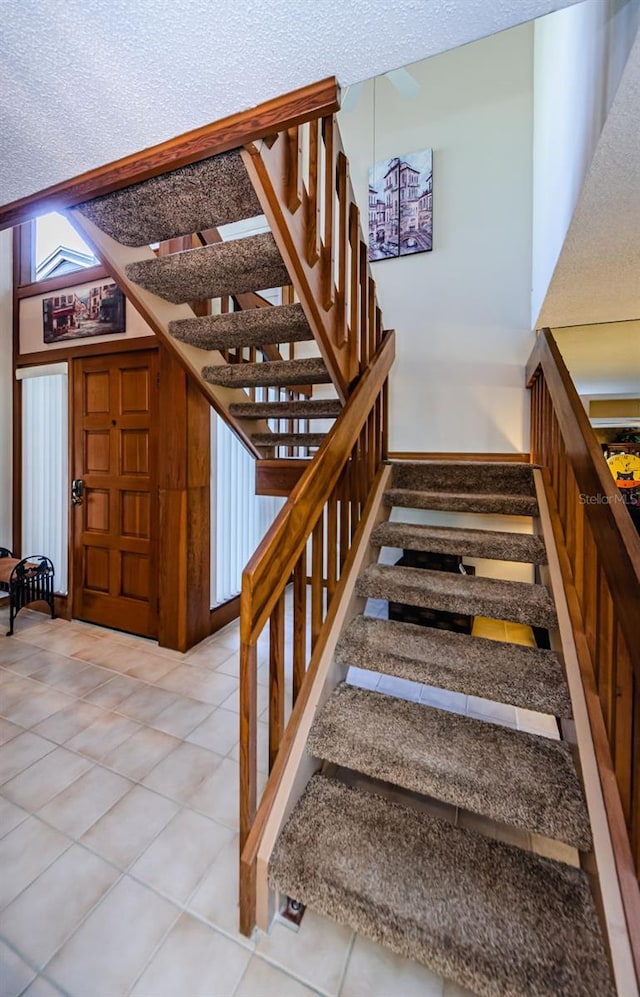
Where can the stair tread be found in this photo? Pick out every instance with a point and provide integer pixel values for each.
(520, 602)
(528, 677)
(516, 778)
(276, 439)
(312, 408)
(506, 505)
(252, 327)
(193, 198)
(491, 916)
(311, 370)
(488, 477)
(471, 543)
(235, 267)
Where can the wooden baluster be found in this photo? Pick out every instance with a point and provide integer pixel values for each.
(343, 218)
(605, 654)
(590, 598)
(248, 737)
(624, 724)
(372, 316)
(332, 545)
(313, 200)
(344, 514)
(379, 329)
(365, 354)
(294, 180)
(276, 679)
(317, 580)
(354, 291)
(299, 623)
(635, 785)
(353, 494)
(328, 258)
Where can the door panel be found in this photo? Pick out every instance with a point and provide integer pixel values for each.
(115, 557)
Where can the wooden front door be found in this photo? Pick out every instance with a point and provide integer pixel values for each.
(116, 515)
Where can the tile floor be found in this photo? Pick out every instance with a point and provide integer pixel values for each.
(118, 829)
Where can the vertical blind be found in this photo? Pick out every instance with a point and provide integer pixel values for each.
(239, 517)
(45, 474)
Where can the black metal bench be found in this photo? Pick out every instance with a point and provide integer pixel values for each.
(27, 580)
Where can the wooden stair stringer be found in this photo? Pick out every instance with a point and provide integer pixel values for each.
(158, 313)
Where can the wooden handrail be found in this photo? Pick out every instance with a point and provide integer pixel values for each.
(319, 521)
(599, 554)
(272, 116)
(267, 572)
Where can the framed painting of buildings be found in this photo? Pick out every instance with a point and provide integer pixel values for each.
(401, 206)
(94, 311)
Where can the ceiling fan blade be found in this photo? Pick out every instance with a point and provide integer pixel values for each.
(351, 96)
(404, 82)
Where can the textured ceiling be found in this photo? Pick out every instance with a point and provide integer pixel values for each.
(597, 277)
(602, 359)
(84, 82)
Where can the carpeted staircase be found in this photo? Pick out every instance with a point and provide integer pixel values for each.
(366, 844)
(194, 199)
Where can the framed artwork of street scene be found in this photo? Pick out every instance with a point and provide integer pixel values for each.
(401, 206)
(94, 311)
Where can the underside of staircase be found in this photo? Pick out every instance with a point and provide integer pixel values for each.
(380, 838)
(258, 362)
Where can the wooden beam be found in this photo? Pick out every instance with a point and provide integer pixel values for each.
(276, 115)
(279, 477)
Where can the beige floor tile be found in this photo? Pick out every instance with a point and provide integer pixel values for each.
(47, 777)
(41, 919)
(316, 954)
(199, 683)
(108, 952)
(8, 730)
(15, 975)
(136, 756)
(150, 667)
(64, 674)
(263, 748)
(70, 641)
(20, 752)
(182, 717)
(219, 732)
(177, 860)
(537, 723)
(42, 988)
(79, 806)
(115, 691)
(217, 795)
(216, 899)
(49, 664)
(193, 960)
(212, 656)
(36, 706)
(103, 736)
(65, 724)
(179, 774)
(84, 681)
(130, 825)
(261, 979)
(375, 971)
(12, 651)
(146, 703)
(26, 852)
(10, 816)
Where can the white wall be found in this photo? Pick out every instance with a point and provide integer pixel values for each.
(579, 56)
(5, 388)
(462, 311)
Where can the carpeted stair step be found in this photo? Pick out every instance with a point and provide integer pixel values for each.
(312, 408)
(269, 374)
(503, 505)
(250, 264)
(520, 602)
(203, 195)
(468, 543)
(489, 477)
(503, 672)
(253, 327)
(493, 917)
(288, 439)
(519, 779)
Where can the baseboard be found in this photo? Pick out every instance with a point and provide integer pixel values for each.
(224, 614)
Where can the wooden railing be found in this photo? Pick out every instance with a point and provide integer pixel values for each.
(289, 584)
(599, 552)
(301, 177)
